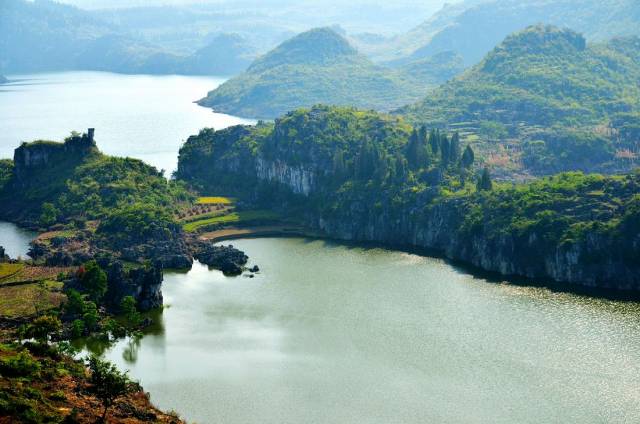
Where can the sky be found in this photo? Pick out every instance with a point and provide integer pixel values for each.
(92, 4)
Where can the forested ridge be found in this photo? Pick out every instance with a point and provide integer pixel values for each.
(363, 176)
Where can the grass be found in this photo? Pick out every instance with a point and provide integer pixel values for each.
(205, 215)
(234, 217)
(7, 269)
(215, 200)
(26, 300)
(34, 273)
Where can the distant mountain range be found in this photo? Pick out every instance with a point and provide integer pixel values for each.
(544, 101)
(473, 27)
(48, 36)
(320, 66)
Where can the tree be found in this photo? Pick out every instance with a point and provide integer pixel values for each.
(413, 151)
(484, 182)
(75, 303)
(468, 157)
(107, 383)
(129, 310)
(94, 280)
(400, 168)
(434, 141)
(444, 150)
(423, 136)
(90, 316)
(49, 214)
(454, 149)
(43, 327)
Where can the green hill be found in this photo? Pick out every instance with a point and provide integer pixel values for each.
(318, 66)
(552, 101)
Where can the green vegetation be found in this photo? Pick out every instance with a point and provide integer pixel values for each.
(366, 176)
(241, 217)
(93, 280)
(563, 210)
(30, 299)
(108, 384)
(42, 383)
(9, 269)
(552, 101)
(319, 66)
(131, 201)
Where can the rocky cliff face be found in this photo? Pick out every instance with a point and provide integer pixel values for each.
(298, 179)
(575, 263)
(439, 228)
(31, 158)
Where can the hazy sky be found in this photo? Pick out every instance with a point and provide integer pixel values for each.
(433, 4)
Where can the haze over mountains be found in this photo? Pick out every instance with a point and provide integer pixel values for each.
(472, 28)
(223, 37)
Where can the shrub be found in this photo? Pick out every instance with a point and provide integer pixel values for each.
(19, 365)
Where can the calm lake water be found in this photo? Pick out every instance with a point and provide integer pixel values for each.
(141, 116)
(328, 333)
(333, 334)
(15, 240)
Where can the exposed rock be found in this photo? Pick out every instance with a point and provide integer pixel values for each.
(298, 178)
(143, 283)
(227, 259)
(30, 158)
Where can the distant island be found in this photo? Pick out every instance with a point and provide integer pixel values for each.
(3, 79)
(545, 101)
(320, 66)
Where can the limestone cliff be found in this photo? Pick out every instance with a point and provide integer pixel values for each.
(572, 229)
(31, 158)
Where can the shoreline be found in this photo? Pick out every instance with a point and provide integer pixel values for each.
(492, 277)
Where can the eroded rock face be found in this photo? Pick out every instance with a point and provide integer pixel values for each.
(297, 178)
(30, 158)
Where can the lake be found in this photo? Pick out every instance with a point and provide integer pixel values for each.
(327, 333)
(141, 116)
(332, 334)
(15, 240)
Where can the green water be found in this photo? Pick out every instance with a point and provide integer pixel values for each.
(333, 334)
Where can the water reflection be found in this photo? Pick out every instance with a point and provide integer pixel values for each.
(344, 334)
